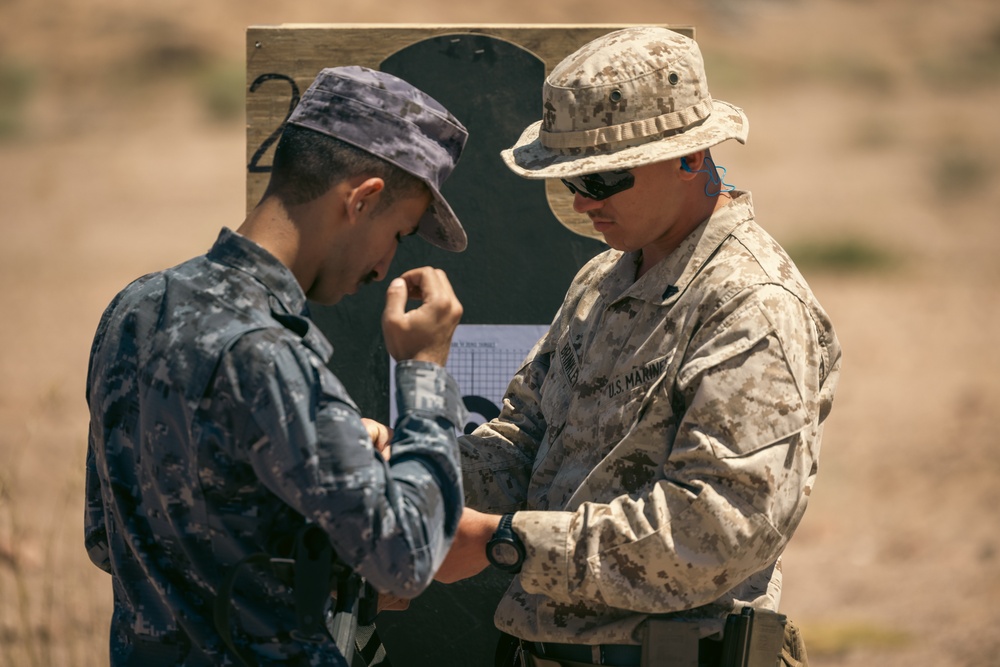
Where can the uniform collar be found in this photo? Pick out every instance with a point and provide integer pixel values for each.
(673, 273)
(286, 299)
(242, 254)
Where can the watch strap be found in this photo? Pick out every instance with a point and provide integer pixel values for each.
(506, 525)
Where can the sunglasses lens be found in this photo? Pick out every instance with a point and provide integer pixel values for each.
(600, 186)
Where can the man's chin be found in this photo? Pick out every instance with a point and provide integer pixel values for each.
(337, 297)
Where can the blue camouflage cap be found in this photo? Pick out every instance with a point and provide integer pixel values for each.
(391, 119)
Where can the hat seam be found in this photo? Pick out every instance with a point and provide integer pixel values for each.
(447, 117)
(605, 85)
(649, 127)
(358, 145)
(340, 95)
(380, 112)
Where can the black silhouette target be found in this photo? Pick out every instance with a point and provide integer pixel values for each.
(519, 261)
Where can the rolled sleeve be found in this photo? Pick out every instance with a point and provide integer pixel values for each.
(548, 538)
(427, 389)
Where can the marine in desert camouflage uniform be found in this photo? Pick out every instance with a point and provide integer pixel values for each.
(658, 447)
(217, 430)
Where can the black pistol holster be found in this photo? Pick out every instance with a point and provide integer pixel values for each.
(314, 571)
(753, 638)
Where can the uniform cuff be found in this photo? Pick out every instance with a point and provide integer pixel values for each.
(546, 538)
(424, 387)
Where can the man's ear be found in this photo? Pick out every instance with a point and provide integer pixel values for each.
(691, 164)
(363, 196)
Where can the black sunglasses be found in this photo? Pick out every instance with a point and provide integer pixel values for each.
(601, 185)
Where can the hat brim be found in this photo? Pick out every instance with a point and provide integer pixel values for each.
(440, 227)
(530, 159)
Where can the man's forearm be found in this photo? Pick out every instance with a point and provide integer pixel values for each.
(467, 557)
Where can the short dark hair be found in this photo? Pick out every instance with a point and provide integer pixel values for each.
(308, 163)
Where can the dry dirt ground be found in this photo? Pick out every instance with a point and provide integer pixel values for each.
(873, 153)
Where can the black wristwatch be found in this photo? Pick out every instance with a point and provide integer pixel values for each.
(505, 549)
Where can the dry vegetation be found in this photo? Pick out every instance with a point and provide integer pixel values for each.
(873, 155)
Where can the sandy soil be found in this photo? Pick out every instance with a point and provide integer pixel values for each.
(871, 122)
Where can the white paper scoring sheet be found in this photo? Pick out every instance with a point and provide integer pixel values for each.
(483, 359)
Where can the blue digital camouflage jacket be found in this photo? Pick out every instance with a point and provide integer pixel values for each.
(217, 431)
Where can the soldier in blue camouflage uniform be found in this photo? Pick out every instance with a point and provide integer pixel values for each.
(657, 449)
(218, 431)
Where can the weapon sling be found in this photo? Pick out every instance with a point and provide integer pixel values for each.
(315, 566)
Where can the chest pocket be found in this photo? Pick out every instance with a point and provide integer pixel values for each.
(629, 395)
(558, 386)
(556, 394)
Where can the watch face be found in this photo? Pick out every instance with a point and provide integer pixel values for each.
(505, 553)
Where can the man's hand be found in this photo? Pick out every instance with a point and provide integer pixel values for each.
(380, 434)
(424, 333)
(467, 557)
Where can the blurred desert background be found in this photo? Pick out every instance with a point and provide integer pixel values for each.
(872, 157)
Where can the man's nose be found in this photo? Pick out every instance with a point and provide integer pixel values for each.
(583, 204)
(382, 268)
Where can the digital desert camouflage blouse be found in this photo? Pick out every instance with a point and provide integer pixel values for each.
(661, 441)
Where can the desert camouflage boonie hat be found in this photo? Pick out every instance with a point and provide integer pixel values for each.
(632, 97)
(391, 119)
